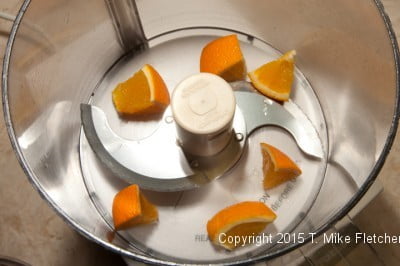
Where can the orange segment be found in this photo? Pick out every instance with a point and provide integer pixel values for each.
(143, 94)
(243, 219)
(224, 58)
(277, 166)
(131, 208)
(275, 78)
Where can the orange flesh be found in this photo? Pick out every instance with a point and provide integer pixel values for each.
(277, 167)
(241, 219)
(150, 212)
(243, 230)
(278, 76)
(275, 79)
(131, 208)
(128, 100)
(144, 93)
(224, 57)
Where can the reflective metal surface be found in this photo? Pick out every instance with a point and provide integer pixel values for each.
(138, 156)
(260, 111)
(134, 161)
(127, 24)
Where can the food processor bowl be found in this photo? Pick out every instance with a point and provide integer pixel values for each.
(61, 54)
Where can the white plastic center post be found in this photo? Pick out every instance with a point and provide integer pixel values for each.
(203, 106)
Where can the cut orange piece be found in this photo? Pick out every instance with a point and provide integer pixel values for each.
(230, 226)
(144, 93)
(275, 78)
(277, 166)
(131, 208)
(223, 57)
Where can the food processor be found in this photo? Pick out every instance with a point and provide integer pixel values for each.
(64, 58)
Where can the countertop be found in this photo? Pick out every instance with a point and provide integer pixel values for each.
(32, 232)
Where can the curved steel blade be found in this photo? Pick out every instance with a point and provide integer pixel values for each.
(260, 111)
(158, 162)
(134, 162)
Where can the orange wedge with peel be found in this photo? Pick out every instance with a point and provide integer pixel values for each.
(235, 222)
(277, 166)
(275, 79)
(223, 57)
(130, 208)
(145, 93)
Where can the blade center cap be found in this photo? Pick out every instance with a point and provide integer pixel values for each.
(203, 101)
(203, 106)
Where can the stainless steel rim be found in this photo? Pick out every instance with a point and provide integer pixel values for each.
(363, 189)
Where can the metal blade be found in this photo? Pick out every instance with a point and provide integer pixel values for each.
(158, 162)
(260, 111)
(137, 161)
